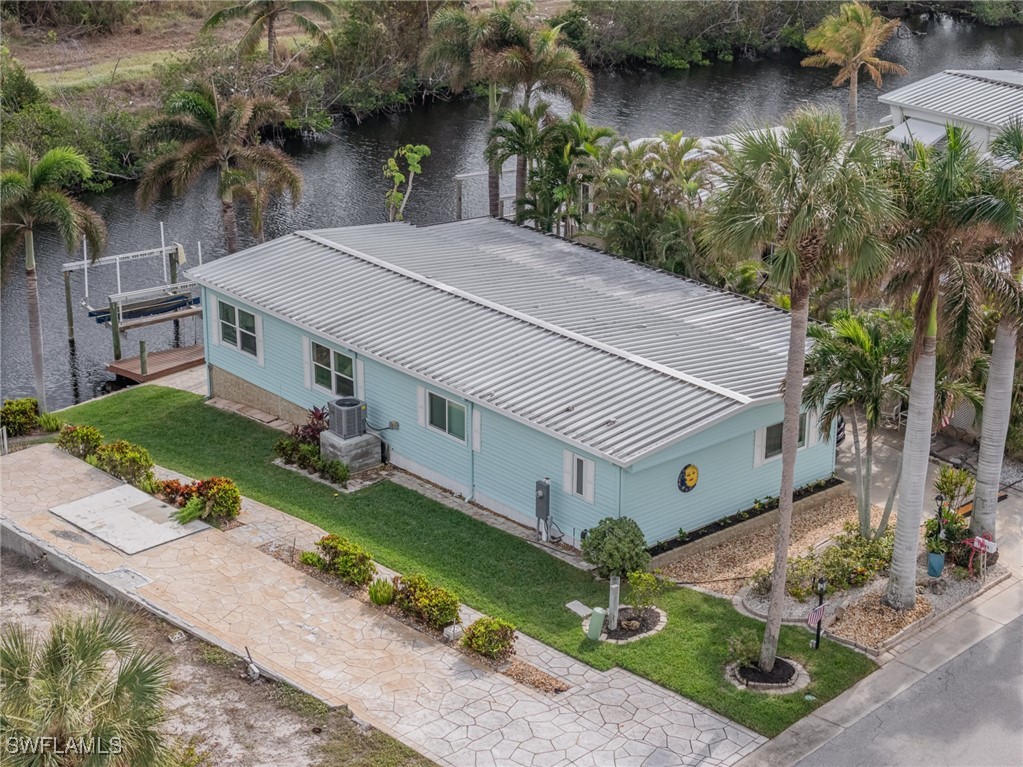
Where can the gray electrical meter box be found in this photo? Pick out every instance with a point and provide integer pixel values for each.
(543, 500)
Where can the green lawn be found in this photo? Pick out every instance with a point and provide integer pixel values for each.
(490, 570)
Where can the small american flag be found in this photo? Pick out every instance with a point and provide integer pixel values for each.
(816, 615)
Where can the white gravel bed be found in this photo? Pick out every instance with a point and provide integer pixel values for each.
(794, 610)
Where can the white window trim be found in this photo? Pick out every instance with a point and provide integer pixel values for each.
(569, 476)
(760, 440)
(218, 339)
(425, 401)
(310, 369)
(477, 430)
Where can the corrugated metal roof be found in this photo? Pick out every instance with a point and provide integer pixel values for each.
(977, 97)
(606, 354)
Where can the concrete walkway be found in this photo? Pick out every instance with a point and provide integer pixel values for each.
(428, 695)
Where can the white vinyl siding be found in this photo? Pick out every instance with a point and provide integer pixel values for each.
(240, 329)
(446, 416)
(578, 476)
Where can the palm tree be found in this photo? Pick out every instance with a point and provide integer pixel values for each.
(465, 45)
(544, 64)
(33, 194)
(517, 134)
(212, 133)
(946, 267)
(858, 364)
(257, 187)
(89, 679)
(850, 40)
(646, 197)
(264, 15)
(1005, 207)
(814, 200)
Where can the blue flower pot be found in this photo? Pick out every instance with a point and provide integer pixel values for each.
(935, 564)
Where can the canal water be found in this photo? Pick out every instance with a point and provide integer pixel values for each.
(344, 184)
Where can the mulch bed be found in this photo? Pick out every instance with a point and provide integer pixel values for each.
(870, 622)
(782, 672)
(534, 677)
(648, 621)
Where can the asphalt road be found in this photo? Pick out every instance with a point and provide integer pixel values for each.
(967, 713)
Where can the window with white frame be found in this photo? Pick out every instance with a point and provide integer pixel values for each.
(446, 416)
(578, 476)
(768, 440)
(333, 371)
(238, 328)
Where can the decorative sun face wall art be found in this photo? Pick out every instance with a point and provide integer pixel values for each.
(688, 477)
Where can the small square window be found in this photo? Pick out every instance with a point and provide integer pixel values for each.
(579, 476)
(773, 438)
(447, 416)
(238, 328)
(333, 371)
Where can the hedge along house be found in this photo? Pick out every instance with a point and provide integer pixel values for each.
(506, 357)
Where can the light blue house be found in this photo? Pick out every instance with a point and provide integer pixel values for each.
(506, 356)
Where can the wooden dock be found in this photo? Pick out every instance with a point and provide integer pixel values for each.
(159, 364)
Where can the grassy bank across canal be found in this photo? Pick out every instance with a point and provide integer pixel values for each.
(490, 570)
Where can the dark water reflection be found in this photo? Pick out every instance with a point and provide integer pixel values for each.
(344, 184)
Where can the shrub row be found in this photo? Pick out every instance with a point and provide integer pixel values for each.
(433, 605)
(306, 456)
(850, 561)
(122, 459)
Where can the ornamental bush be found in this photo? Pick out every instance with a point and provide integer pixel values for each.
(286, 448)
(80, 441)
(50, 422)
(20, 416)
(433, 605)
(616, 547)
(125, 460)
(334, 471)
(381, 592)
(490, 637)
(221, 496)
(645, 587)
(312, 559)
(347, 560)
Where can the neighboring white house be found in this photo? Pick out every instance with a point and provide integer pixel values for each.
(981, 101)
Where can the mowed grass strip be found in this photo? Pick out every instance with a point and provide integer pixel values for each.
(490, 570)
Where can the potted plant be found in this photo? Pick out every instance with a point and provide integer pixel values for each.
(935, 556)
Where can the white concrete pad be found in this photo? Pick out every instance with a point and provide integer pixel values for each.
(127, 519)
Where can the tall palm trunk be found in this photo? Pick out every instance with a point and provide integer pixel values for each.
(997, 407)
(850, 118)
(271, 39)
(35, 326)
(494, 171)
(522, 161)
(791, 399)
(862, 488)
(901, 593)
(227, 214)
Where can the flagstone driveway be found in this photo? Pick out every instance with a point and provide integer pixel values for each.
(427, 694)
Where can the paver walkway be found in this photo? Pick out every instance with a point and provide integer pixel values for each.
(333, 646)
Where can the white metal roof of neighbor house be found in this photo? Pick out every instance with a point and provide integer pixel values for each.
(606, 354)
(986, 97)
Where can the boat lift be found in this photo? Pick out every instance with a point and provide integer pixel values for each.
(125, 310)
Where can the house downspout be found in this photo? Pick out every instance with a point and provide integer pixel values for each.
(620, 470)
(472, 453)
(206, 319)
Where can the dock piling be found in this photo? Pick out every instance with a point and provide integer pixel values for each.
(115, 322)
(143, 358)
(69, 308)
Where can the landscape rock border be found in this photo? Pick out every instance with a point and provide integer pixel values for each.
(661, 623)
(797, 683)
